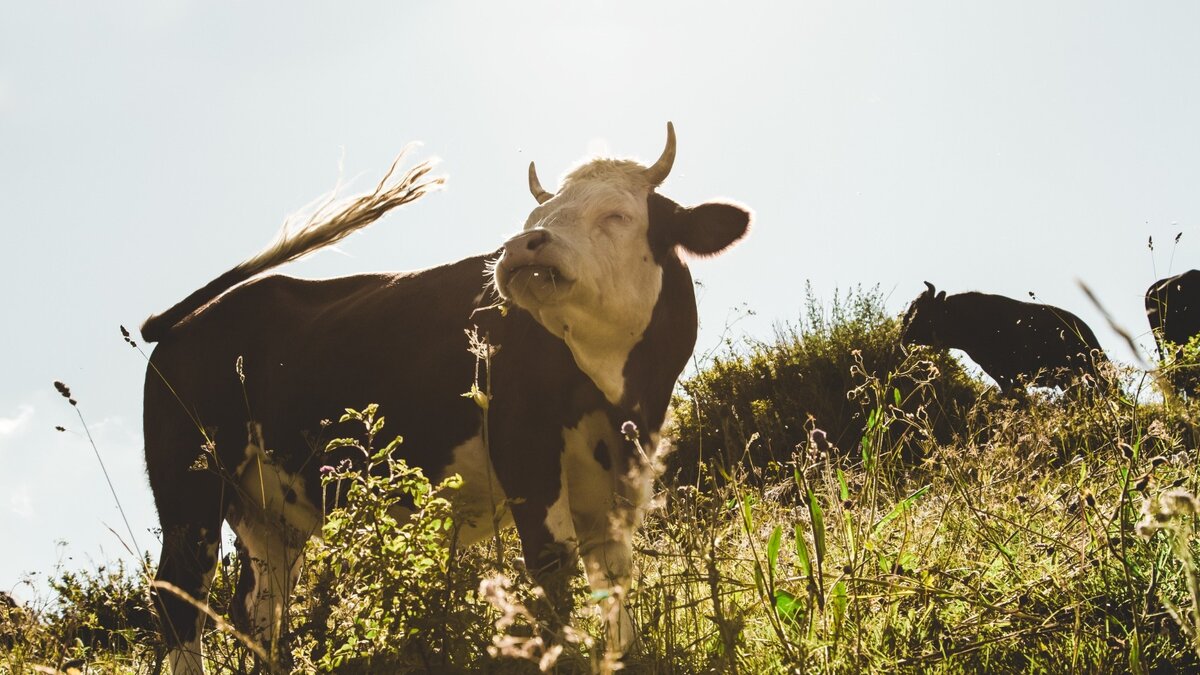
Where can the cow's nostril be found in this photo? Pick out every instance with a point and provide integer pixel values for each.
(537, 240)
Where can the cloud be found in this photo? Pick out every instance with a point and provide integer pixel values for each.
(9, 425)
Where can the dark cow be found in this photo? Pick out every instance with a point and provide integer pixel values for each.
(1014, 342)
(1173, 308)
(598, 319)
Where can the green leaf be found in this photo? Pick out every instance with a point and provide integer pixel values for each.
(747, 517)
(896, 395)
(377, 426)
(787, 606)
(900, 507)
(845, 490)
(773, 543)
(838, 601)
(802, 551)
(818, 523)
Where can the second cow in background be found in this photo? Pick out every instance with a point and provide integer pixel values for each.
(1173, 308)
(1014, 342)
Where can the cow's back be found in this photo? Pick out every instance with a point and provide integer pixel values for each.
(288, 353)
(1009, 338)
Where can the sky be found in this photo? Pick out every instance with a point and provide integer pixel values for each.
(146, 146)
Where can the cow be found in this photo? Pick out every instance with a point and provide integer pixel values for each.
(1015, 342)
(1173, 309)
(590, 313)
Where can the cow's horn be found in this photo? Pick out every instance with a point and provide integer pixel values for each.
(535, 186)
(930, 287)
(656, 174)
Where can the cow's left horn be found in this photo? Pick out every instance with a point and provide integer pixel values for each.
(535, 186)
(656, 174)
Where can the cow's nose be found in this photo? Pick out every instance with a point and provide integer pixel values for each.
(529, 241)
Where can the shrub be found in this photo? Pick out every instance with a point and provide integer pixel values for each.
(380, 584)
(775, 392)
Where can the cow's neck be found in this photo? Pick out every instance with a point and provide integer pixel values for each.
(656, 361)
(602, 356)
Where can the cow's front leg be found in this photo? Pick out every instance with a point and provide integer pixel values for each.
(551, 551)
(606, 546)
(611, 483)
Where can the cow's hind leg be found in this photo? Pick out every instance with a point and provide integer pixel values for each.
(188, 561)
(271, 557)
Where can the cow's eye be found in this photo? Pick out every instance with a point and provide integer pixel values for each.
(616, 217)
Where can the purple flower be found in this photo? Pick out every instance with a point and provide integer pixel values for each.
(630, 430)
(326, 470)
(820, 440)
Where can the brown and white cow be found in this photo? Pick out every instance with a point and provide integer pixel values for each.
(600, 321)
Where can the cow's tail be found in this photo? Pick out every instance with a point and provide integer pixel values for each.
(325, 222)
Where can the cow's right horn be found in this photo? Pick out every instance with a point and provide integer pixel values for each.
(535, 186)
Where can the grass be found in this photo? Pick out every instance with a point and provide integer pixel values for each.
(848, 509)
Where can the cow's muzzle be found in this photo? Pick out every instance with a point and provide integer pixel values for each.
(528, 271)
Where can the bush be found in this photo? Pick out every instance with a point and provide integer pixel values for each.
(101, 617)
(775, 392)
(380, 585)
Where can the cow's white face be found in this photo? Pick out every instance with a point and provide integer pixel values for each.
(589, 264)
(583, 266)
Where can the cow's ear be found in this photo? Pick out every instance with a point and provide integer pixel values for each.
(706, 229)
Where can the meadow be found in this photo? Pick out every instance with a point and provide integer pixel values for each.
(831, 503)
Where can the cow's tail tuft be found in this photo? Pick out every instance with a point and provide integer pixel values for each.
(324, 222)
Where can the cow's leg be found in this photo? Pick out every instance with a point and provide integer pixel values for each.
(609, 492)
(273, 520)
(188, 562)
(190, 503)
(271, 554)
(606, 545)
(191, 538)
(548, 540)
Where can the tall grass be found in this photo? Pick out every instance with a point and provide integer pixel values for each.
(859, 510)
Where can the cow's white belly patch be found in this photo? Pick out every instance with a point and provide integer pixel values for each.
(591, 484)
(275, 497)
(480, 503)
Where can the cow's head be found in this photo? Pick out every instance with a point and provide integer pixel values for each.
(925, 317)
(590, 263)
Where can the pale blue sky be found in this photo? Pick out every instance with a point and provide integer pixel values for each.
(149, 145)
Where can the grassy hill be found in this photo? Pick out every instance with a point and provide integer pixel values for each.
(832, 505)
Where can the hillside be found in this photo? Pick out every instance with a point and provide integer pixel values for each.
(832, 505)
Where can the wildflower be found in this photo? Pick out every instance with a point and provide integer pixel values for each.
(629, 430)
(1161, 513)
(1178, 502)
(821, 440)
(326, 470)
(1158, 430)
